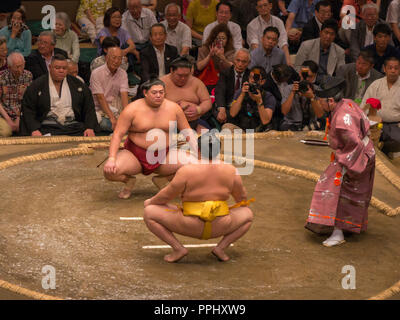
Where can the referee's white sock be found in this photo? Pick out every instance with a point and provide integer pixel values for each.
(335, 239)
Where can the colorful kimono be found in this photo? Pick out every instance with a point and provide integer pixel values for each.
(343, 192)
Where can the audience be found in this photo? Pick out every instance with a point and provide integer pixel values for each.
(243, 12)
(13, 83)
(66, 39)
(19, 37)
(58, 104)
(312, 29)
(156, 58)
(178, 33)
(108, 42)
(3, 53)
(199, 14)
(73, 69)
(393, 18)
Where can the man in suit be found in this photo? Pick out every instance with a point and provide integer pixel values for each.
(39, 60)
(157, 57)
(323, 12)
(328, 55)
(359, 75)
(58, 104)
(229, 82)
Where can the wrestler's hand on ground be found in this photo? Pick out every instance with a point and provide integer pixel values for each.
(89, 133)
(36, 133)
(110, 166)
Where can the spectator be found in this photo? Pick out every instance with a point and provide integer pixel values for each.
(66, 39)
(268, 55)
(112, 28)
(381, 47)
(108, 42)
(109, 85)
(252, 107)
(359, 76)
(6, 9)
(90, 16)
(328, 55)
(3, 53)
(38, 62)
(393, 18)
(19, 37)
(357, 4)
(13, 83)
(243, 12)
(312, 29)
(73, 69)
(229, 83)
(138, 21)
(224, 15)
(300, 12)
(187, 91)
(362, 35)
(53, 106)
(199, 14)
(150, 4)
(178, 33)
(218, 48)
(257, 26)
(156, 58)
(387, 90)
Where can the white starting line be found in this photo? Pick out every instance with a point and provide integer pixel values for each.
(204, 245)
(131, 218)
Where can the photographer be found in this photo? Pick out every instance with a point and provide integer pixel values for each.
(252, 107)
(300, 108)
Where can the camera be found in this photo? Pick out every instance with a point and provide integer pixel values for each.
(253, 87)
(303, 86)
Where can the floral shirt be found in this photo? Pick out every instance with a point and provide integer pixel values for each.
(97, 7)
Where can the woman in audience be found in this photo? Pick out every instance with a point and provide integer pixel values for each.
(19, 37)
(199, 14)
(112, 28)
(108, 42)
(66, 38)
(3, 54)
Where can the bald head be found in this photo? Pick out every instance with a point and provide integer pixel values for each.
(135, 8)
(16, 64)
(114, 58)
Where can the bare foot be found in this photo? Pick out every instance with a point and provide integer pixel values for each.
(127, 190)
(176, 255)
(220, 254)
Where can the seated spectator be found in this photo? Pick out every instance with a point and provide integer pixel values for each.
(38, 62)
(6, 9)
(362, 35)
(243, 12)
(252, 107)
(112, 28)
(187, 91)
(387, 90)
(381, 47)
(90, 16)
(73, 69)
(229, 83)
(138, 21)
(53, 106)
(217, 52)
(108, 42)
(3, 53)
(257, 26)
(13, 83)
(312, 29)
(328, 55)
(199, 14)
(357, 4)
(150, 4)
(300, 12)
(359, 76)
(66, 39)
(300, 108)
(178, 33)
(156, 58)
(393, 18)
(19, 37)
(268, 54)
(224, 15)
(109, 85)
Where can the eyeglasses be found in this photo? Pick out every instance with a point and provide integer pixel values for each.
(221, 38)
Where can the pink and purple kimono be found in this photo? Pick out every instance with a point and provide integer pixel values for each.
(343, 192)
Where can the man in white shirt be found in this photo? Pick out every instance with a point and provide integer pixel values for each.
(257, 26)
(138, 21)
(224, 15)
(179, 34)
(393, 18)
(387, 90)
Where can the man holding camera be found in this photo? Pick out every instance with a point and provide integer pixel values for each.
(252, 107)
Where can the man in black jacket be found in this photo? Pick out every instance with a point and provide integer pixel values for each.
(58, 104)
(38, 61)
(157, 57)
(323, 12)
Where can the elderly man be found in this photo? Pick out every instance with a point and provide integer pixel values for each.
(157, 57)
(257, 26)
(205, 213)
(58, 104)
(179, 34)
(230, 82)
(38, 62)
(148, 122)
(343, 192)
(138, 21)
(13, 83)
(109, 85)
(387, 90)
(224, 15)
(187, 91)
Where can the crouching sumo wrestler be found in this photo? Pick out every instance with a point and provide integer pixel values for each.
(204, 189)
